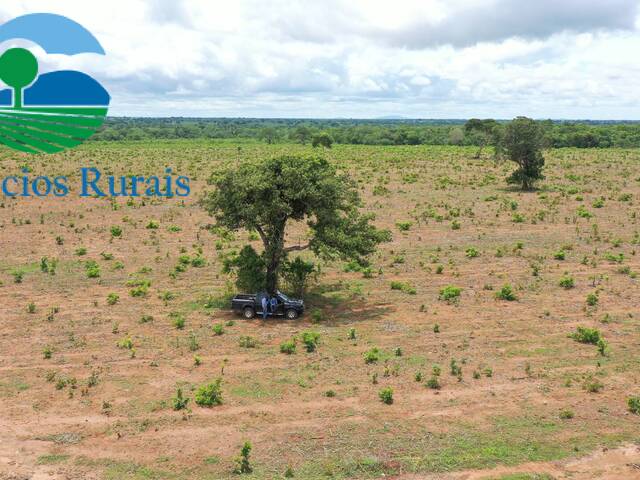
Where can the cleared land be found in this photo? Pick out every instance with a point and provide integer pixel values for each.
(79, 400)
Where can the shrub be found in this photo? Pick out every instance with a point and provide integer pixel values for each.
(559, 255)
(112, 298)
(126, 343)
(179, 402)
(602, 347)
(587, 335)
(249, 268)
(386, 395)
(372, 355)
(404, 226)
(634, 405)
(310, 340)
(455, 369)
(47, 352)
(352, 333)
(433, 383)
(218, 329)
(242, 462)
(153, 225)
(592, 299)
(31, 308)
(593, 385)
(209, 394)
(116, 231)
(316, 315)
(288, 346)
(18, 275)
(471, 252)
(403, 287)
(450, 294)
(92, 269)
(141, 288)
(506, 293)
(80, 251)
(178, 320)
(566, 414)
(193, 342)
(566, 282)
(247, 342)
(330, 394)
(198, 261)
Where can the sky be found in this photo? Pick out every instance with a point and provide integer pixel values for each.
(572, 59)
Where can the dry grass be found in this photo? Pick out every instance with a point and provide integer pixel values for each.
(113, 397)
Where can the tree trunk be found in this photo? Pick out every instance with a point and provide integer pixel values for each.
(273, 253)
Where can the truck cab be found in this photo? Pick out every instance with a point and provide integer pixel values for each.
(250, 305)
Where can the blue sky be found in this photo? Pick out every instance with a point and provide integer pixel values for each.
(358, 58)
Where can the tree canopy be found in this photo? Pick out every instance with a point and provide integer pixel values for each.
(522, 143)
(267, 195)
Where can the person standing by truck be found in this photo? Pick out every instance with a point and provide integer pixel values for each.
(264, 307)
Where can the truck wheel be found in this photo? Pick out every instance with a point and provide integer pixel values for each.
(249, 312)
(291, 314)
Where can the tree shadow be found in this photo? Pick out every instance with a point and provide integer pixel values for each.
(337, 306)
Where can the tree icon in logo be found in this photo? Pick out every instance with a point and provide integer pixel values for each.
(18, 69)
(47, 112)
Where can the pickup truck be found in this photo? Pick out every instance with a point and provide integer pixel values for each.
(251, 304)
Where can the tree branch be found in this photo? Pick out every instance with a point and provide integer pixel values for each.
(262, 235)
(296, 248)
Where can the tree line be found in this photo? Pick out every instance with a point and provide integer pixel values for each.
(557, 134)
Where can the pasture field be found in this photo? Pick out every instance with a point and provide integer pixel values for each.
(108, 307)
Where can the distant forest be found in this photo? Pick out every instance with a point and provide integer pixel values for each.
(580, 134)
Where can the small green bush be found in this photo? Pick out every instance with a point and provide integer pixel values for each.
(450, 294)
(288, 346)
(404, 226)
(472, 252)
(218, 329)
(310, 340)
(566, 414)
(372, 355)
(243, 464)
(386, 395)
(634, 405)
(209, 394)
(566, 282)
(179, 402)
(506, 293)
(433, 383)
(587, 335)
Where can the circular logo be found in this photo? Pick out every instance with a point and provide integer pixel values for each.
(56, 110)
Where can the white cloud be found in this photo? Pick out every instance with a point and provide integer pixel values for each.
(360, 58)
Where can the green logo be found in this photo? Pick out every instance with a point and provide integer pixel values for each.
(53, 111)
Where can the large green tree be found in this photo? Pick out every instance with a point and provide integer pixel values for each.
(268, 195)
(486, 132)
(522, 143)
